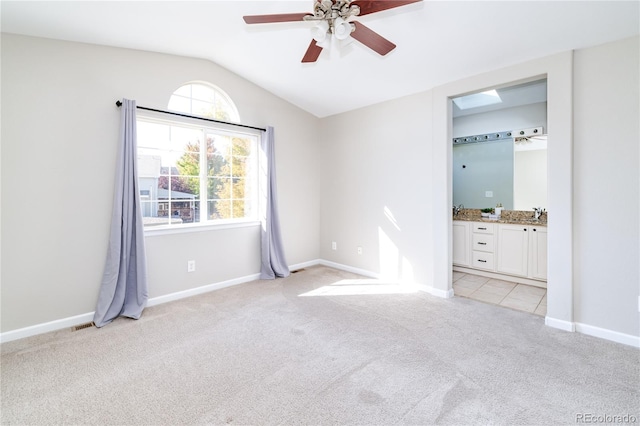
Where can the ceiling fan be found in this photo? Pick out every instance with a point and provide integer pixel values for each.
(332, 17)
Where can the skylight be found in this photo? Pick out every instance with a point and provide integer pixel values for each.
(475, 100)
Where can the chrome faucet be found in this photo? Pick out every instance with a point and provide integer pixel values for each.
(537, 212)
(456, 209)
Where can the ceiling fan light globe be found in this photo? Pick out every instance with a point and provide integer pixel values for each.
(319, 31)
(341, 29)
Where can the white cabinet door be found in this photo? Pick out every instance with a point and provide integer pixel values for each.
(538, 246)
(513, 249)
(461, 243)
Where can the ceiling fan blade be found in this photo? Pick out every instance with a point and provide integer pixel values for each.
(266, 19)
(312, 53)
(372, 39)
(372, 6)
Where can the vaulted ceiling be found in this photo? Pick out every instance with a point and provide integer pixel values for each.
(437, 41)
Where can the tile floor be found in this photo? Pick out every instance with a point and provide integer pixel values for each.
(516, 296)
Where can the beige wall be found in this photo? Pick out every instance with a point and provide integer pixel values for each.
(375, 187)
(375, 177)
(394, 155)
(59, 135)
(606, 186)
(423, 182)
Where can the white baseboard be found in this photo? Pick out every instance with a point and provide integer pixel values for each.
(200, 290)
(603, 333)
(46, 327)
(560, 324)
(445, 294)
(69, 322)
(304, 265)
(590, 330)
(347, 268)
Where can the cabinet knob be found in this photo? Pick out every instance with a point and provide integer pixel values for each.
(534, 229)
(525, 229)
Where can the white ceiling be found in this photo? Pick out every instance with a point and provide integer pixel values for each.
(438, 41)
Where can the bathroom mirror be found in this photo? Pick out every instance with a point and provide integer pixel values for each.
(501, 168)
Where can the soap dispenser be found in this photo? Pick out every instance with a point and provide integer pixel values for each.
(498, 209)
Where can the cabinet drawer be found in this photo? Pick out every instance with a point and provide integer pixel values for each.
(483, 228)
(482, 260)
(483, 242)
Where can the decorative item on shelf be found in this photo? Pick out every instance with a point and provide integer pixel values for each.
(486, 212)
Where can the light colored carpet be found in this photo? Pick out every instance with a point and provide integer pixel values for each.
(260, 353)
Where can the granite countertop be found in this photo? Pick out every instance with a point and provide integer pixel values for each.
(516, 217)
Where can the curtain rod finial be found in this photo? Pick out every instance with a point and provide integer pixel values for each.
(118, 103)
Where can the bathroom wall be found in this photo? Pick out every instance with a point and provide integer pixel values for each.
(484, 167)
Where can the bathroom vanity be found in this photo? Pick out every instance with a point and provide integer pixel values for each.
(513, 248)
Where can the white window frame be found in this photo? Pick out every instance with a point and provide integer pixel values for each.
(208, 127)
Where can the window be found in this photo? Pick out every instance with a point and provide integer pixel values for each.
(194, 172)
(204, 100)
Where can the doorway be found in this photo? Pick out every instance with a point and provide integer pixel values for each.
(499, 170)
(558, 69)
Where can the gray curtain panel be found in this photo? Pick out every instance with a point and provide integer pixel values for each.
(273, 260)
(124, 283)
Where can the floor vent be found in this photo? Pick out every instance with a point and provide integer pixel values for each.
(82, 326)
(297, 270)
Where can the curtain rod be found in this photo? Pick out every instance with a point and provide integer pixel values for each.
(118, 103)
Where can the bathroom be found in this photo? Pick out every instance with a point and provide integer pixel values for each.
(499, 180)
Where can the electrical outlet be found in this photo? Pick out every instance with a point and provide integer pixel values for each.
(334, 245)
(191, 266)
(488, 194)
(359, 250)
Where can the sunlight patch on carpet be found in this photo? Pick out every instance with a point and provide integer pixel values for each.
(359, 287)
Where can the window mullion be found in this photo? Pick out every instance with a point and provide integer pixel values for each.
(231, 186)
(204, 180)
(169, 183)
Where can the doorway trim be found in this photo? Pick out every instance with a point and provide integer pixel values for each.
(558, 70)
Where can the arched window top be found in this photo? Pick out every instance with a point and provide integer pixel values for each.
(205, 100)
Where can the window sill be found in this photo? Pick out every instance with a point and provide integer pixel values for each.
(185, 229)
